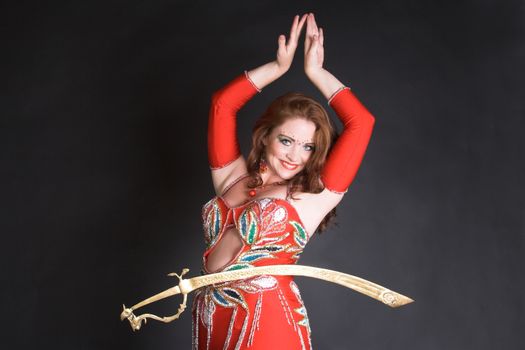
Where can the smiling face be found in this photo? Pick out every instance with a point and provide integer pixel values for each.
(285, 135)
(288, 148)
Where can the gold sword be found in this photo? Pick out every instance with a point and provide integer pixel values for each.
(186, 286)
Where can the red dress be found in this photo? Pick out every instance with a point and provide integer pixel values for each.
(264, 312)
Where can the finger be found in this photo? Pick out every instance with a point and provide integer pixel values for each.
(309, 25)
(301, 24)
(315, 43)
(293, 29)
(281, 41)
(298, 29)
(307, 43)
(308, 35)
(321, 36)
(314, 25)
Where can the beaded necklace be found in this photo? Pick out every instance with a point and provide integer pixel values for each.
(253, 191)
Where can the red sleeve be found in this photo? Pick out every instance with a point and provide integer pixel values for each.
(346, 155)
(223, 147)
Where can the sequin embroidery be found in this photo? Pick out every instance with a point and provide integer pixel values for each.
(273, 234)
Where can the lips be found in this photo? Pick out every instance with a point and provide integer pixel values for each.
(289, 166)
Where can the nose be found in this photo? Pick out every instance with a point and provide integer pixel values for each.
(293, 154)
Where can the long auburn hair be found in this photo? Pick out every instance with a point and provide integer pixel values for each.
(289, 106)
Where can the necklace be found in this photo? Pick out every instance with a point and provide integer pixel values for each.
(254, 190)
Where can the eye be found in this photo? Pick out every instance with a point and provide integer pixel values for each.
(285, 141)
(309, 148)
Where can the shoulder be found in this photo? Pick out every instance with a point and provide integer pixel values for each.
(226, 176)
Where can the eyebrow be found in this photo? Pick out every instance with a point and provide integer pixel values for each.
(306, 143)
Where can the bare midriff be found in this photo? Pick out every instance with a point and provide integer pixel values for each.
(225, 250)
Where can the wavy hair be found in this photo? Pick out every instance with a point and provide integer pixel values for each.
(290, 106)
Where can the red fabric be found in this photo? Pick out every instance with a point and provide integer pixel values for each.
(259, 313)
(223, 146)
(346, 155)
(344, 159)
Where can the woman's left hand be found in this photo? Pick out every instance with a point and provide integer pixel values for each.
(286, 51)
(313, 47)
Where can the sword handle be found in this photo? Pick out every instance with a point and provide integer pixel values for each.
(136, 321)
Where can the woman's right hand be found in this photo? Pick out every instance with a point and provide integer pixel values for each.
(286, 50)
(313, 48)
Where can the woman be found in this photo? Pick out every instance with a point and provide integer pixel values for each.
(269, 205)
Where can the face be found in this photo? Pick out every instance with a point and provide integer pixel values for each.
(288, 148)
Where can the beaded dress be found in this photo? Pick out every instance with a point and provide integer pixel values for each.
(232, 315)
(262, 312)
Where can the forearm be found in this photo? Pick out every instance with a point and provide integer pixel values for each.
(346, 155)
(223, 147)
(265, 74)
(325, 81)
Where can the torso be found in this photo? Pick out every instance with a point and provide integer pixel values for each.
(235, 222)
(262, 312)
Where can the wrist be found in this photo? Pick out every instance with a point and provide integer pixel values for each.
(315, 74)
(265, 74)
(279, 69)
(324, 81)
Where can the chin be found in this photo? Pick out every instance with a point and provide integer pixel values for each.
(288, 175)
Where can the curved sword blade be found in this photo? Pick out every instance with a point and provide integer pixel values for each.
(186, 286)
(376, 291)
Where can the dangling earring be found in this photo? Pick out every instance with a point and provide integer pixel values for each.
(263, 167)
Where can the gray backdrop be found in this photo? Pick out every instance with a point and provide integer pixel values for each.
(104, 169)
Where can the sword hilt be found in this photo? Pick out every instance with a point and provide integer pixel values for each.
(136, 321)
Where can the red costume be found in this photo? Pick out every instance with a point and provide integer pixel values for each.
(265, 312)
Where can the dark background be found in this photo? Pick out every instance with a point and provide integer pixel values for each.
(104, 168)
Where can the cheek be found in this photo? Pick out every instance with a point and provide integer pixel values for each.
(276, 149)
(306, 157)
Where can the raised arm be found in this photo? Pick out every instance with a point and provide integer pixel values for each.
(224, 153)
(223, 147)
(348, 152)
(346, 155)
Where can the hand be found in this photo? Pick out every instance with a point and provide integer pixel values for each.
(313, 48)
(286, 51)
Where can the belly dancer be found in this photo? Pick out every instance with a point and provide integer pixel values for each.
(268, 205)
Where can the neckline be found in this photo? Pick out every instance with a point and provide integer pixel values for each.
(248, 201)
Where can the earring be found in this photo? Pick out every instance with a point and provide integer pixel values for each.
(262, 166)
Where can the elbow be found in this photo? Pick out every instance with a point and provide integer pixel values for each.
(370, 125)
(371, 121)
(365, 122)
(368, 121)
(216, 97)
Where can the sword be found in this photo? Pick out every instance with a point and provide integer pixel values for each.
(186, 286)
